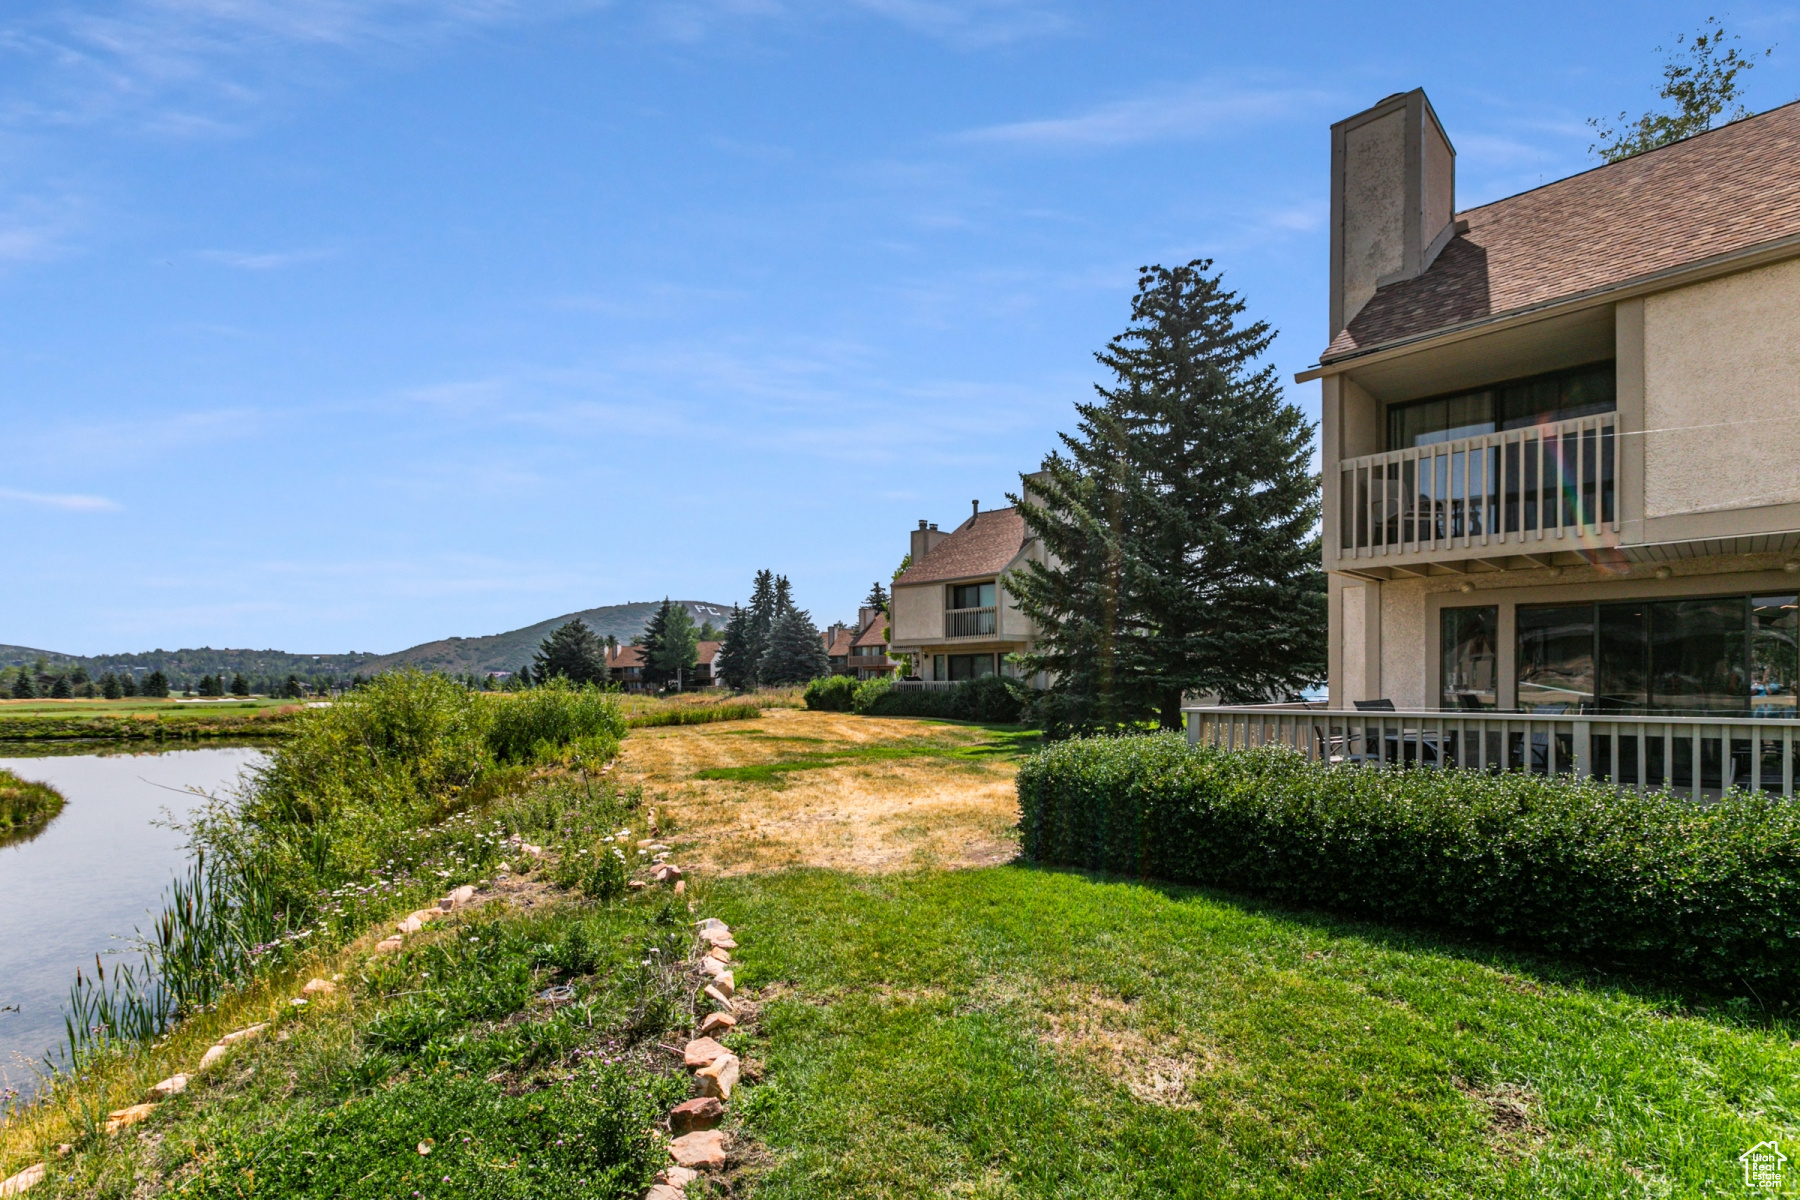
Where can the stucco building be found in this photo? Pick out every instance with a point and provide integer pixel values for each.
(952, 613)
(1558, 445)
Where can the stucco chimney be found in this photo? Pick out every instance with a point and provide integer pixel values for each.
(1393, 199)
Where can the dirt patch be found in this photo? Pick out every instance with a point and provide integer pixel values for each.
(1508, 1109)
(887, 814)
(1108, 1033)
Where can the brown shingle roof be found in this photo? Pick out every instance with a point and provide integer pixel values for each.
(982, 545)
(707, 650)
(840, 643)
(1728, 190)
(875, 634)
(625, 656)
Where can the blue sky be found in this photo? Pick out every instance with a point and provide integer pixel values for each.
(341, 325)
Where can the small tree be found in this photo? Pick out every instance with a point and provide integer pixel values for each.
(877, 597)
(1702, 83)
(796, 653)
(571, 651)
(670, 645)
(241, 686)
(128, 684)
(293, 689)
(60, 688)
(109, 686)
(155, 685)
(22, 687)
(707, 632)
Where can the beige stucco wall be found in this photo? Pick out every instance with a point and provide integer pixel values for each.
(1352, 627)
(1404, 650)
(1722, 393)
(917, 615)
(1374, 205)
(1439, 191)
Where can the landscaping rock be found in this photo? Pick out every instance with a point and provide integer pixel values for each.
(123, 1117)
(713, 967)
(720, 1078)
(715, 1022)
(700, 1053)
(318, 987)
(457, 897)
(725, 983)
(244, 1035)
(664, 1191)
(389, 945)
(719, 937)
(680, 886)
(720, 953)
(637, 885)
(666, 873)
(174, 1085)
(416, 921)
(699, 1149)
(30, 1177)
(702, 1112)
(717, 997)
(711, 925)
(677, 1177)
(213, 1054)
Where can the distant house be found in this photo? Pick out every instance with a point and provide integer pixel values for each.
(838, 640)
(952, 613)
(869, 652)
(627, 666)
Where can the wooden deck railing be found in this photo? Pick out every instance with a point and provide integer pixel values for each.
(970, 622)
(1695, 755)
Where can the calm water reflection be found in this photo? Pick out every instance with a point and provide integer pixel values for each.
(95, 874)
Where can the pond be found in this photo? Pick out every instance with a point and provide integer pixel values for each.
(95, 874)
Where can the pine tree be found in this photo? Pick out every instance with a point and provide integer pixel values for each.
(524, 676)
(708, 633)
(22, 688)
(796, 653)
(128, 684)
(1182, 524)
(670, 645)
(784, 597)
(241, 686)
(60, 689)
(762, 615)
(155, 685)
(293, 689)
(737, 657)
(109, 686)
(877, 597)
(571, 651)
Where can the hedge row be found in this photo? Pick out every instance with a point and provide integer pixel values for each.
(993, 698)
(1656, 883)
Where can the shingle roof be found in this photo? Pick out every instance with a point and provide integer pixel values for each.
(625, 656)
(982, 545)
(876, 632)
(840, 643)
(1731, 189)
(707, 651)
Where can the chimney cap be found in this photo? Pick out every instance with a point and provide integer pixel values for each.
(975, 508)
(921, 522)
(934, 524)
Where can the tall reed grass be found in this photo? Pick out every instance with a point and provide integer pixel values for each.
(371, 804)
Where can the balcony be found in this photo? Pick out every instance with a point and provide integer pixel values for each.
(1638, 753)
(1500, 497)
(970, 623)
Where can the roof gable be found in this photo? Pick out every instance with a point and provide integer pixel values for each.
(982, 545)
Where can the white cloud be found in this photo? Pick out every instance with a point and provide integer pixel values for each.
(264, 261)
(67, 501)
(1203, 110)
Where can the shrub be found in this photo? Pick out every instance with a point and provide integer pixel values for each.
(25, 805)
(1709, 894)
(833, 693)
(697, 714)
(993, 698)
(895, 702)
(869, 691)
(543, 724)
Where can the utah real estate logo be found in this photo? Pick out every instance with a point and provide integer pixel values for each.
(1762, 1166)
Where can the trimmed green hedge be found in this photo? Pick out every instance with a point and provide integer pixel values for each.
(1706, 893)
(830, 693)
(993, 699)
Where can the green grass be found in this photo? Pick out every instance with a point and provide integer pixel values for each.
(10, 708)
(26, 806)
(949, 1034)
(1003, 741)
(695, 714)
(143, 720)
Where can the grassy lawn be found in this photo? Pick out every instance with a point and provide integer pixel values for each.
(136, 704)
(923, 1018)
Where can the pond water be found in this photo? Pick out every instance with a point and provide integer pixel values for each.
(93, 876)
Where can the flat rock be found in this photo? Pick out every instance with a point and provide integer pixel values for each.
(121, 1118)
(244, 1035)
(719, 953)
(389, 945)
(715, 1022)
(637, 885)
(719, 1078)
(717, 997)
(711, 925)
(318, 987)
(719, 937)
(712, 967)
(666, 873)
(213, 1054)
(700, 1053)
(174, 1085)
(702, 1112)
(702, 1148)
(676, 1177)
(664, 1191)
(30, 1177)
(457, 897)
(725, 983)
(680, 886)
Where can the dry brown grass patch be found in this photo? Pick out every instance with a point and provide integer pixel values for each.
(1508, 1111)
(1108, 1033)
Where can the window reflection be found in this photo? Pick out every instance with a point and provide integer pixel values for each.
(1469, 644)
(1561, 396)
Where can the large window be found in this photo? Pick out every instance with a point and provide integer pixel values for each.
(972, 595)
(1470, 642)
(962, 666)
(1723, 654)
(1560, 396)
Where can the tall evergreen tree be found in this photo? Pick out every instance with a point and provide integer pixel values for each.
(571, 651)
(877, 597)
(737, 657)
(1183, 522)
(155, 684)
(784, 598)
(60, 689)
(23, 688)
(762, 615)
(796, 652)
(128, 684)
(241, 686)
(670, 657)
(109, 686)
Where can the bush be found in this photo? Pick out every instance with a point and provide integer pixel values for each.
(25, 805)
(1709, 894)
(546, 723)
(992, 698)
(833, 693)
(869, 691)
(891, 701)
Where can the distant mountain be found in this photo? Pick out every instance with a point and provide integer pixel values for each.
(510, 651)
(495, 652)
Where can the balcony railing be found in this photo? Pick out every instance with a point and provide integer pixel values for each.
(1510, 491)
(970, 622)
(1698, 756)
